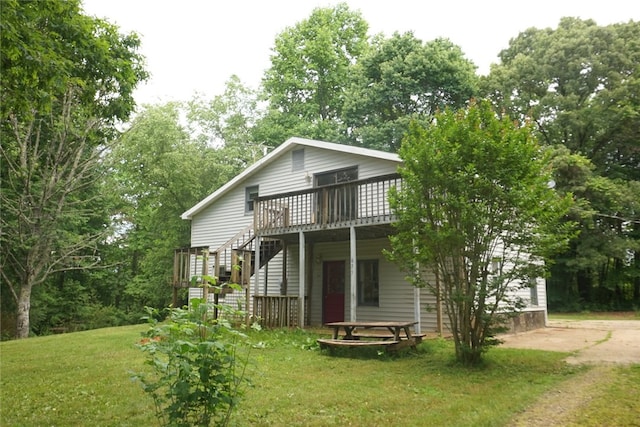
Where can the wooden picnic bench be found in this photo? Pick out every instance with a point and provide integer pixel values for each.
(394, 335)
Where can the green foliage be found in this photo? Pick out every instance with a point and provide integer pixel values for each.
(158, 172)
(476, 208)
(228, 121)
(310, 68)
(198, 365)
(579, 84)
(66, 81)
(597, 269)
(401, 79)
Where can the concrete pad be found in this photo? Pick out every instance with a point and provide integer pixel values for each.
(590, 341)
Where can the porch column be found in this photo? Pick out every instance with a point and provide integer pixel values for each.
(256, 266)
(301, 277)
(353, 274)
(416, 309)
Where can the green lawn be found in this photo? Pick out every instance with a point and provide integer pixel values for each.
(597, 315)
(82, 379)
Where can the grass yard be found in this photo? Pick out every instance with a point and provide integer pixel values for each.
(83, 379)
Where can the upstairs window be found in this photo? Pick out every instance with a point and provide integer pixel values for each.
(337, 204)
(337, 176)
(250, 195)
(368, 286)
(297, 160)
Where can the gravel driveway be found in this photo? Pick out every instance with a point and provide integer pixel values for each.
(589, 341)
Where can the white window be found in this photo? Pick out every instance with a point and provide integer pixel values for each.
(297, 160)
(533, 290)
(368, 286)
(250, 195)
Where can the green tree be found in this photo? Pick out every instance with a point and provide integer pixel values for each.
(596, 271)
(310, 69)
(476, 208)
(66, 81)
(228, 122)
(580, 84)
(159, 171)
(402, 79)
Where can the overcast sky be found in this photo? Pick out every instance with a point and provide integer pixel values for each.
(196, 45)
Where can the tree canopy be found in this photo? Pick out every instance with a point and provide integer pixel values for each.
(310, 68)
(402, 79)
(77, 193)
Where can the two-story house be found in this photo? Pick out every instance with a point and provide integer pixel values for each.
(319, 214)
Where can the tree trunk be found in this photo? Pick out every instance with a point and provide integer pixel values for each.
(24, 307)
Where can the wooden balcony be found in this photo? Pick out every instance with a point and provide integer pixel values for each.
(355, 203)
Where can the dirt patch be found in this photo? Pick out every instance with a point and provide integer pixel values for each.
(589, 341)
(558, 406)
(601, 343)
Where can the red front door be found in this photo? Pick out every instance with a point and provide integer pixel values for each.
(333, 291)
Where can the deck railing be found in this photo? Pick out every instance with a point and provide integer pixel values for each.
(357, 202)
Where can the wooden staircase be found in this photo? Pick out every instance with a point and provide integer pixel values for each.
(232, 262)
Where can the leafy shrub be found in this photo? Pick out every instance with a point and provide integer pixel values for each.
(197, 364)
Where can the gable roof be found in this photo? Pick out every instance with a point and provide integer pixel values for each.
(285, 147)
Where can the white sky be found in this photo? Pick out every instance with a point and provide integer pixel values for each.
(196, 45)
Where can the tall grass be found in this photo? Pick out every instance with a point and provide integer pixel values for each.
(82, 379)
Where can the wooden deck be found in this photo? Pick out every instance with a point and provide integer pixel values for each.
(358, 203)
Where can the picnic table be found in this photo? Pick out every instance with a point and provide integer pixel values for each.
(391, 335)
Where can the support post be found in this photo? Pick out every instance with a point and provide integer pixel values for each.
(438, 302)
(416, 309)
(256, 266)
(301, 277)
(205, 272)
(256, 276)
(353, 274)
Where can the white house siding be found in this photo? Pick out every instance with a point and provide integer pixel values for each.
(396, 298)
(220, 221)
(225, 217)
(524, 292)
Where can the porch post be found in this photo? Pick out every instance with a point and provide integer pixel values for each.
(256, 272)
(301, 277)
(353, 274)
(416, 308)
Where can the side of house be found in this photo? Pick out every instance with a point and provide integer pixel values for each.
(327, 267)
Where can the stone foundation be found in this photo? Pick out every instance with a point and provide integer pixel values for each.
(526, 321)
